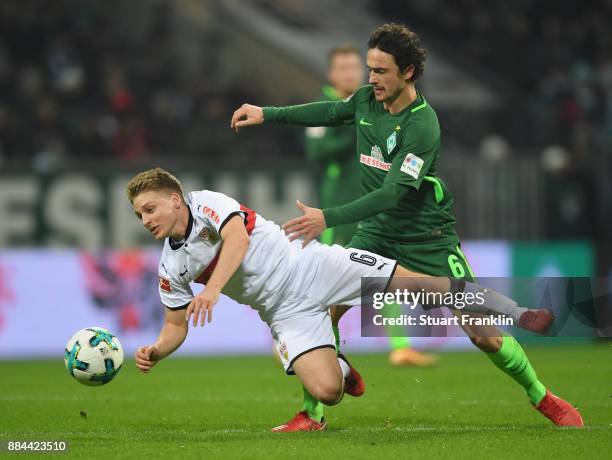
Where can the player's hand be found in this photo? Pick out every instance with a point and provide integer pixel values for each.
(247, 115)
(308, 226)
(202, 306)
(146, 358)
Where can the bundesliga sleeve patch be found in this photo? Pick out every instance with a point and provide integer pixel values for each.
(412, 165)
(164, 284)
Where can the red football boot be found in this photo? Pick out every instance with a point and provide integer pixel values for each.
(560, 412)
(538, 321)
(353, 383)
(301, 422)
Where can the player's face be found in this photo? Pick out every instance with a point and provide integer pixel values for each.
(158, 211)
(346, 73)
(385, 75)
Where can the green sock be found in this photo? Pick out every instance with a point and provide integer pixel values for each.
(396, 334)
(313, 408)
(337, 336)
(511, 359)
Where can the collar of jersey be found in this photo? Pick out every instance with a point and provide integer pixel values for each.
(416, 104)
(178, 244)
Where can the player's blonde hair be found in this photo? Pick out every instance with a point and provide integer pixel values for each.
(152, 179)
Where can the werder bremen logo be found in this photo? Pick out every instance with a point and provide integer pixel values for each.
(391, 142)
(376, 153)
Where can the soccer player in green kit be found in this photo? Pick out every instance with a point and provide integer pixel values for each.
(334, 149)
(405, 209)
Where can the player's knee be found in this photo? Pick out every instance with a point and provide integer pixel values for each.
(328, 392)
(487, 344)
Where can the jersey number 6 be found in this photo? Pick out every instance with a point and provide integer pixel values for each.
(365, 259)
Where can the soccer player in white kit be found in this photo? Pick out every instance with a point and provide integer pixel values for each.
(211, 239)
(230, 248)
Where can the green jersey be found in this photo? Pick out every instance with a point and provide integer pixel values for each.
(402, 197)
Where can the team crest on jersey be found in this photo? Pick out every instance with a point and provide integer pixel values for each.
(283, 352)
(376, 153)
(209, 233)
(391, 142)
(412, 165)
(164, 284)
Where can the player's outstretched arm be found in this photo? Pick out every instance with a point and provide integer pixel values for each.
(171, 337)
(235, 245)
(325, 113)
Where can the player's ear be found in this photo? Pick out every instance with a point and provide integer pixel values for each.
(408, 72)
(176, 200)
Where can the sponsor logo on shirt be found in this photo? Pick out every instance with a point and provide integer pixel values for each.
(164, 284)
(412, 165)
(211, 213)
(374, 163)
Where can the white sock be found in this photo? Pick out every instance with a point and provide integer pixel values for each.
(345, 367)
(494, 302)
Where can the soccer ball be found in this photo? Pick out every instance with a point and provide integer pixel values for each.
(93, 356)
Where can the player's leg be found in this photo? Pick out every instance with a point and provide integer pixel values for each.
(506, 354)
(305, 345)
(321, 374)
(333, 281)
(484, 300)
(341, 236)
(445, 258)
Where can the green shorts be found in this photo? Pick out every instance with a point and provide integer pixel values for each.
(436, 256)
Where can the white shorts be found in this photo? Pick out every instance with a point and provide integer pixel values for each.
(324, 276)
(300, 334)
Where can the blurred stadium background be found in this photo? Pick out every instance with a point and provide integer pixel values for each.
(92, 92)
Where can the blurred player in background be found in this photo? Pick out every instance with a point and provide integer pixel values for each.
(333, 149)
(405, 209)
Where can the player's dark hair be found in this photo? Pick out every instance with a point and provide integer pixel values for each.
(152, 179)
(403, 44)
(339, 50)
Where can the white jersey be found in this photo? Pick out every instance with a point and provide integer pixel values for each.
(278, 278)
